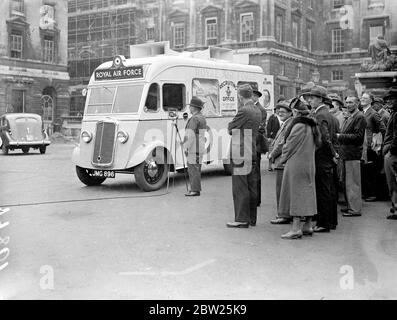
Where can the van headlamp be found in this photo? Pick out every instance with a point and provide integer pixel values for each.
(86, 136)
(122, 136)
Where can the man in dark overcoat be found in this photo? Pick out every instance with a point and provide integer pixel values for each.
(244, 129)
(261, 141)
(325, 159)
(390, 150)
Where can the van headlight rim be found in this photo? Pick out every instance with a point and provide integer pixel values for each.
(122, 136)
(86, 136)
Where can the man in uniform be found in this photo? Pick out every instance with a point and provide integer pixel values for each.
(244, 129)
(194, 143)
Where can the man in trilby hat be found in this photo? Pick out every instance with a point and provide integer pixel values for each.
(194, 144)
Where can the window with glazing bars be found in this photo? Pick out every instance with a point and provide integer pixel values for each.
(337, 41)
(16, 45)
(247, 27)
(49, 50)
(17, 5)
(211, 26)
(179, 35)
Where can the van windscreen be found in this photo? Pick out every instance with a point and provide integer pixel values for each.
(127, 99)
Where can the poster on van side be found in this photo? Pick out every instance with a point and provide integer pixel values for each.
(228, 97)
(208, 91)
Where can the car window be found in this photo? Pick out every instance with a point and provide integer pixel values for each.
(152, 100)
(128, 99)
(174, 96)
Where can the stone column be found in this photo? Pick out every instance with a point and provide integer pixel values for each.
(227, 22)
(192, 24)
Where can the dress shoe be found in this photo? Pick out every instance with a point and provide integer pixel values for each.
(320, 229)
(370, 199)
(392, 217)
(237, 224)
(292, 235)
(280, 221)
(192, 194)
(351, 213)
(344, 210)
(308, 232)
(333, 227)
(392, 209)
(253, 224)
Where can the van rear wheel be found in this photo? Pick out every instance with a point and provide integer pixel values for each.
(228, 168)
(42, 149)
(86, 178)
(25, 150)
(152, 173)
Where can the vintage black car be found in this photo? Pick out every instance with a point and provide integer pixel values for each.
(22, 131)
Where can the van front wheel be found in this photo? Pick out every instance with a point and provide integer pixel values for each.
(87, 179)
(152, 173)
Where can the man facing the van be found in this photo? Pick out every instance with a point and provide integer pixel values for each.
(194, 144)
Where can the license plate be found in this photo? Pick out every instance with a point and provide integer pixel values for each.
(103, 173)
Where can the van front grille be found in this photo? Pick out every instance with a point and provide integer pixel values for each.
(104, 143)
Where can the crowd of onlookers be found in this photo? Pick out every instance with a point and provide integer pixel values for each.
(328, 150)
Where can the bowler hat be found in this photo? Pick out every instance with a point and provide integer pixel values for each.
(257, 93)
(318, 91)
(378, 100)
(392, 93)
(196, 102)
(335, 97)
(283, 104)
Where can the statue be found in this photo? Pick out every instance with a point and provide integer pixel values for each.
(382, 58)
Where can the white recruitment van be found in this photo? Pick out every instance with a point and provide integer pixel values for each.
(133, 106)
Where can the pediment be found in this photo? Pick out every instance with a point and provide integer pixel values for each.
(210, 8)
(246, 3)
(177, 13)
(297, 12)
(16, 20)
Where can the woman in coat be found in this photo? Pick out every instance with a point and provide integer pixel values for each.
(298, 191)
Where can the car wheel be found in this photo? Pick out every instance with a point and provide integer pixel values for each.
(86, 178)
(25, 150)
(4, 148)
(42, 149)
(151, 174)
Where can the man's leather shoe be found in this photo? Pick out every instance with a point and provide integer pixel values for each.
(370, 199)
(253, 224)
(292, 235)
(344, 210)
(392, 217)
(320, 229)
(192, 194)
(237, 224)
(351, 213)
(280, 221)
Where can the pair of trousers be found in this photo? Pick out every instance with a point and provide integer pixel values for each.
(194, 171)
(259, 179)
(370, 174)
(245, 188)
(279, 181)
(391, 174)
(326, 199)
(352, 184)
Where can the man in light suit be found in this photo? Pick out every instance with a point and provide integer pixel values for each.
(244, 129)
(194, 143)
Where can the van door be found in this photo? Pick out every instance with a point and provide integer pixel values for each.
(173, 108)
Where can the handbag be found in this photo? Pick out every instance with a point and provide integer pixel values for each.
(377, 140)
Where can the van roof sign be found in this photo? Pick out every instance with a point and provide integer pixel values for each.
(134, 72)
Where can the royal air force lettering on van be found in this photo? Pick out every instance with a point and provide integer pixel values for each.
(134, 72)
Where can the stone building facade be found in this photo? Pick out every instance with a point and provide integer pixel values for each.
(33, 58)
(297, 41)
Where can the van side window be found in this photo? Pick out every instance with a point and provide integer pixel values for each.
(208, 91)
(174, 96)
